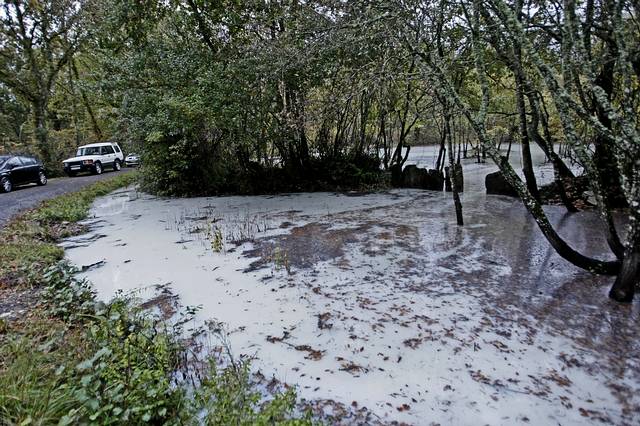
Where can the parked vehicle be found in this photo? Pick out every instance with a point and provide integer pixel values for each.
(132, 160)
(94, 158)
(19, 170)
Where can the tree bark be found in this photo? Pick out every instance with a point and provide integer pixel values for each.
(604, 158)
(40, 130)
(518, 71)
(453, 169)
(97, 131)
(624, 286)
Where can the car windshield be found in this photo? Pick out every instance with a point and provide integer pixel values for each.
(3, 160)
(88, 150)
(133, 155)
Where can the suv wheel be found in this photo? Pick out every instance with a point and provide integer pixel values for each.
(97, 167)
(116, 166)
(42, 178)
(5, 184)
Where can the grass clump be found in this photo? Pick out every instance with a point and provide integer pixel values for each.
(227, 398)
(73, 360)
(35, 356)
(76, 361)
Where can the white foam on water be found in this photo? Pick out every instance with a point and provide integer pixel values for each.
(413, 325)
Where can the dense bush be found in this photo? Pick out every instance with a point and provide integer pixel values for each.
(188, 166)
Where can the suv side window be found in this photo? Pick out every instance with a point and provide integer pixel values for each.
(107, 150)
(15, 162)
(28, 161)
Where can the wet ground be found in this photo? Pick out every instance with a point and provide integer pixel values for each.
(379, 308)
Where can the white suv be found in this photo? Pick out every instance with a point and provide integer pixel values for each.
(94, 158)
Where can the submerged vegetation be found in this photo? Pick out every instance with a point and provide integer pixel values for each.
(70, 359)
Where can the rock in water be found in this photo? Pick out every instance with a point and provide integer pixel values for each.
(498, 185)
(413, 176)
(434, 180)
(416, 177)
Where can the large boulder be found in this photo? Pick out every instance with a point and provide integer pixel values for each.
(434, 180)
(416, 177)
(413, 176)
(496, 184)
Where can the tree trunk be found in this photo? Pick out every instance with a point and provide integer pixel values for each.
(560, 169)
(605, 163)
(441, 151)
(40, 131)
(623, 288)
(74, 108)
(629, 277)
(97, 131)
(527, 165)
(453, 171)
(612, 193)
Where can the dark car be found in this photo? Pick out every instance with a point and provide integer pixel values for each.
(19, 170)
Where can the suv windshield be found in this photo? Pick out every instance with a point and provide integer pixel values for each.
(88, 150)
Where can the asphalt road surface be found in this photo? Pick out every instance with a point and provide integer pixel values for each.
(27, 196)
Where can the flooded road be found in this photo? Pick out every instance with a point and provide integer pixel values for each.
(379, 308)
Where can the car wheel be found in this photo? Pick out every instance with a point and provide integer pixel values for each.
(42, 179)
(97, 168)
(116, 166)
(5, 184)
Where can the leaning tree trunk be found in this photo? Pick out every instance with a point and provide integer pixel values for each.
(560, 170)
(527, 166)
(626, 269)
(447, 91)
(74, 108)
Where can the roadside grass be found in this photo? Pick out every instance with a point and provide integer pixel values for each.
(27, 243)
(73, 360)
(33, 355)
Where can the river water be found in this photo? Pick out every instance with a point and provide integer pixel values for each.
(378, 308)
